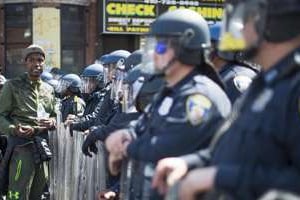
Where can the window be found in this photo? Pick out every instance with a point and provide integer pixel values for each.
(18, 35)
(73, 39)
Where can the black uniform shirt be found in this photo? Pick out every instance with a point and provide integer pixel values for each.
(176, 122)
(260, 150)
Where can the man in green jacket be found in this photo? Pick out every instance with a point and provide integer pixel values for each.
(26, 115)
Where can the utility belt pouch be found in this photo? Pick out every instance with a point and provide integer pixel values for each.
(42, 151)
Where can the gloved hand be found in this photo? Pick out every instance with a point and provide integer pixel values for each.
(89, 144)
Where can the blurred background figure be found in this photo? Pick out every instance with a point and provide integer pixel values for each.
(92, 84)
(107, 106)
(236, 73)
(68, 89)
(48, 78)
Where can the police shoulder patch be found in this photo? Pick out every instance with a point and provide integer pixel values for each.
(197, 106)
(242, 82)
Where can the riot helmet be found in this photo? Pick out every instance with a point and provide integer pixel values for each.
(56, 73)
(183, 30)
(248, 22)
(46, 76)
(110, 63)
(101, 59)
(133, 60)
(140, 86)
(215, 32)
(71, 82)
(119, 73)
(53, 83)
(92, 78)
(119, 87)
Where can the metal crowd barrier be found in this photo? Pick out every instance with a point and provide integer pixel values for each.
(72, 174)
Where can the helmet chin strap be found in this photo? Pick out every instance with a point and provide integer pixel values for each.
(166, 67)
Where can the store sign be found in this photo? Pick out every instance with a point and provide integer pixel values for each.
(135, 16)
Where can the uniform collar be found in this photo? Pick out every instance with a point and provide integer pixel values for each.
(225, 67)
(283, 67)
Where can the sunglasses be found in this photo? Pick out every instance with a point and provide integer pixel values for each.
(161, 47)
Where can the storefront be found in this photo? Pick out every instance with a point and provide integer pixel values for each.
(76, 32)
(123, 22)
(59, 26)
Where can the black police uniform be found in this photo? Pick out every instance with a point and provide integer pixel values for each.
(170, 128)
(92, 101)
(70, 105)
(102, 114)
(101, 132)
(118, 121)
(260, 148)
(237, 78)
(165, 129)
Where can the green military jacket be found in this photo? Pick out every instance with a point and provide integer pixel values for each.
(20, 100)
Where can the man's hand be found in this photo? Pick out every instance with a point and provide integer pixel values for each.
(107, 195)
(116, 142)
(168, 171)
(24, 131)
(196, 182)
(70, 119)
(48, 123)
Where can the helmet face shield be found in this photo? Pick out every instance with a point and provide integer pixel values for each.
(243, 25)
(117, 83)
(130, 93)
(62, 86)
(89, 84)
(109, 72)
(154, 50)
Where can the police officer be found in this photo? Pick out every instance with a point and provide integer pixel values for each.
(236, 73)
(92, 84)
(139, 89)
(134, 80)
(106, 108)
(26, 113)
(56, 73)
(69, 89)
(48, 78)
(193, 102)
(257, 148)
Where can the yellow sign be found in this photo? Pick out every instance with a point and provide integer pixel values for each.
(136, 16)
(46, 32)
(130, 9)
(215, 13)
